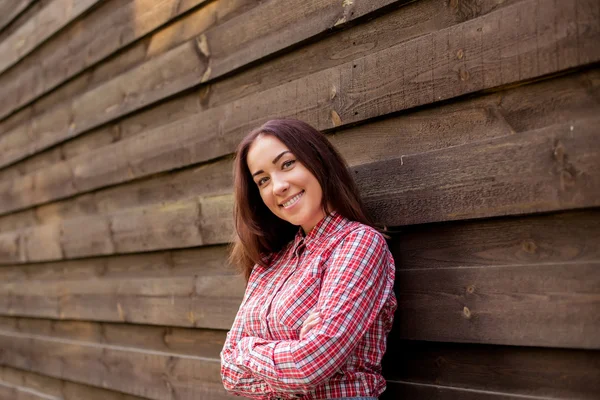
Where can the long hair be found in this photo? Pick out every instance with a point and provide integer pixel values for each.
(259, 231)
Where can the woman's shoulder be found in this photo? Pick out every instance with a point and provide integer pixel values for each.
(354, 231)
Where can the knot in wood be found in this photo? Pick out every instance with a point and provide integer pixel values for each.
(460, 53)
(464, 75)
(466, 312)
(529, 246)
(471, 289)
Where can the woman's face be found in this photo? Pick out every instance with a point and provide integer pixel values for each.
(286, 186)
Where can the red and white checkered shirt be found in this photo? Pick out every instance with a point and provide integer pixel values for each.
(344, 270)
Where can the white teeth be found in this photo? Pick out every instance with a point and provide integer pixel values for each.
(293, 200)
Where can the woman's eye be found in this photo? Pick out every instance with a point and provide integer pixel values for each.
(262, 181)
(288, 163)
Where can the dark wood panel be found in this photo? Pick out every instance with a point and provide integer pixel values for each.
(516, 110)
(22, 384)
(194, 222)
(399, 25)
(113, 25)
(52, 18)
(203, 343)
(527, 371)
(195, 288)
(150, 152)
(9, 11)
(411, 390)
(552, 168)
(549, 169)
(557, 238)
(235, 43)
(553, 305)
(153, 375)
(193, 301)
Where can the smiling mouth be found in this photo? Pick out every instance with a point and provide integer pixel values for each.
(292, 201)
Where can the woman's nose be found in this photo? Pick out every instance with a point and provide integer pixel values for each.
(280, 186)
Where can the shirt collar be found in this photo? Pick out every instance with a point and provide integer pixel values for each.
(325, 227)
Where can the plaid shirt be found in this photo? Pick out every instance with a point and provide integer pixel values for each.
(341, 268)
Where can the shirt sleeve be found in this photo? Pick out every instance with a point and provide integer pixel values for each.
(235, 380)
(356, 284)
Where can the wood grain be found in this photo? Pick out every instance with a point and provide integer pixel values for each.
(196, 288)
(412, 390)
(564, 237)
(551, 305)
(526, 371)
(548, 169)
(131, 370)
(9, 11)
(52, 180)
(52, 18)
(208, 56)
(151, 152)
(113, 25)
(23, 383)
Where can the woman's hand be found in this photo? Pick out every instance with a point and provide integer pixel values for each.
(313, 319)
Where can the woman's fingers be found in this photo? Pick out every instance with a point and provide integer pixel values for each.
(310, 322)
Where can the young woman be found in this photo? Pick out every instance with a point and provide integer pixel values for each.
(319, 301)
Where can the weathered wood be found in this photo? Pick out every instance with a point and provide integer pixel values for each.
(190, 301)
(421, 391)
(9, 10)
(120, 24)
(192, 222)
(312, 95)
(413, 20)
(552, 305)
(557, 238)
(43, 25)
(131, 370)
(183, 67)
(527, 371)
(502, 113)
(549, 169)
(503, 176)
(202, 343)
(43, 387)
(112, 26)
(126, 41)
(195, 288)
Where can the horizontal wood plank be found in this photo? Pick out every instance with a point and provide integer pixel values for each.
(549, 169)
(565, 237)
(421, 391)
(413, 20)
(24, 383)
(113, 25)
(201, 343)
(522, 108)
(150, 152)
(9, 11)
(131, 370)
(52, 179)
(554, 305)
(208, 56)
(49, 20)
(526, 371)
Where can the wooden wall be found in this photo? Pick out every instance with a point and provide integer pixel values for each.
(472, 128)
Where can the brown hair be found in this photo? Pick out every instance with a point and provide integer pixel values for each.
(259, 231)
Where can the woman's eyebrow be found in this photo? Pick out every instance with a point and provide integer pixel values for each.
(279, 156)
(260, 171)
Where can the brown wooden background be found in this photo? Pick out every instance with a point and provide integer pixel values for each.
(472, 127)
